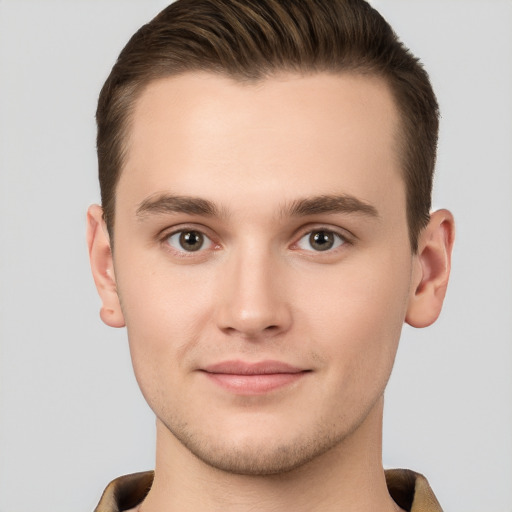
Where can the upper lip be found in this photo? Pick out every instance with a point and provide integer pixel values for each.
(237, 367)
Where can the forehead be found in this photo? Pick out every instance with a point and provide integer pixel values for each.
(203, 134)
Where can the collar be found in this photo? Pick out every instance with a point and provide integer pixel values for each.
(410, 491)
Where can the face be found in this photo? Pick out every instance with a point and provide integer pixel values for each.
(262, 261)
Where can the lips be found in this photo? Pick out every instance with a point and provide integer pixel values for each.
(245, 378)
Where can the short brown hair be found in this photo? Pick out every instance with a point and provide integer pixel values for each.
(250, 40)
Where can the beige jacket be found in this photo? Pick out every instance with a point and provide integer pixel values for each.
(410, 490)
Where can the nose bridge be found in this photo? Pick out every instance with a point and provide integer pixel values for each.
(253, 297)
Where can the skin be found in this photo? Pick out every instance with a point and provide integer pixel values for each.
(259, 289)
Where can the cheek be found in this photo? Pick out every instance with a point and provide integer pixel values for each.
(164, 313)
(357, 309)
(164, 317)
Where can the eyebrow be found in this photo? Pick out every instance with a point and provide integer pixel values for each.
(168, 203)
(329, 204)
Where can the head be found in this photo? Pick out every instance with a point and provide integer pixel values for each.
(250, 40)
(266, 170)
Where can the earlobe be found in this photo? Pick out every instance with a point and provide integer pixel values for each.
(432, 270)
(102, 267)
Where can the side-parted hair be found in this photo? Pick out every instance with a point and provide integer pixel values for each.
(250, 40)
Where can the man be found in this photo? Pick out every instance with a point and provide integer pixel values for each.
(265, 230)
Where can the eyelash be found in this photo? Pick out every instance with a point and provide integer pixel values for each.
(182, 230)
(338, 240)
(341, 240)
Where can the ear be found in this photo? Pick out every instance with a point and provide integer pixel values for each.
(102, 267)
(431, 270)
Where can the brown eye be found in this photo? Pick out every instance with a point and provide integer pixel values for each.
(189, 241)
(320, 240)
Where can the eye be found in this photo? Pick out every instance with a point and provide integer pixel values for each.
(189, 240)
(320, 240)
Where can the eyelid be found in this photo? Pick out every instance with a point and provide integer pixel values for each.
(346, 236)
(338, 242)
(164, 235)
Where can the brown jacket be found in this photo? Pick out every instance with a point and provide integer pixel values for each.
(410, 490)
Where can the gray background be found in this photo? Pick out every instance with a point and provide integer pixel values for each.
(71, 415)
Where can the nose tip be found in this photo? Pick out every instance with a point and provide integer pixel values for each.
(253, 302)
(254, 316)
(252, 323)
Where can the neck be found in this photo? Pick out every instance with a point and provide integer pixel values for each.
(347, 477)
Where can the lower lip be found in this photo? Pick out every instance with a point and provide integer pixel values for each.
(254, 384)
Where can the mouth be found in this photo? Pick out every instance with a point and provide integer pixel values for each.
(245, 378)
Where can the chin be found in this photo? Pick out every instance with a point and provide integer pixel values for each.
(258, 461)
(255, 454)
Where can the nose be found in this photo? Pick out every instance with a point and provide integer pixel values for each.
(253, 302)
